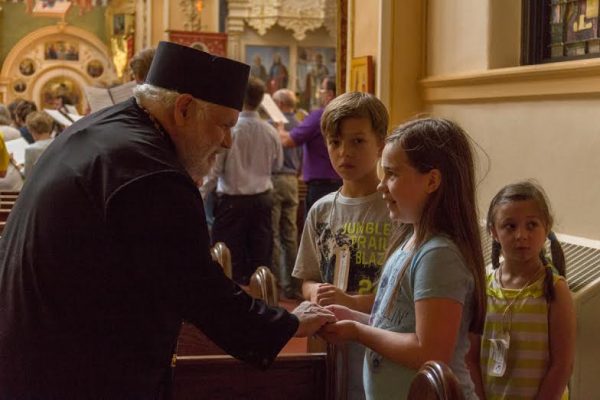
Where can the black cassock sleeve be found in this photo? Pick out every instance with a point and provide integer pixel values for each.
(159, 224)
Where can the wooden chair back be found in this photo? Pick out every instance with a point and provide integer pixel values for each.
(221, 254)
(263, 285)
(435, 381)
(6, 205)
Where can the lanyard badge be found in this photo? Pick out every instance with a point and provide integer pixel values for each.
(498, 354)
(342, 267)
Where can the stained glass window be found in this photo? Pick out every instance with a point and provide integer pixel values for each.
(559, 30)
(573, 28)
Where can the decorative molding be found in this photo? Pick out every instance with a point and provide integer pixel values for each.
(330, 21)
(562, 79)
(189, 9)
(300, 16)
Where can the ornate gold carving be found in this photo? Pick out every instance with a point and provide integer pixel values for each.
(262, 14)
(301, 16)
(330, 22)
(192, 9)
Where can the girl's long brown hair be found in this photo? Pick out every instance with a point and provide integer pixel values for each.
(433, 143)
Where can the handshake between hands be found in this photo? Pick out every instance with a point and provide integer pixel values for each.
(333, 323)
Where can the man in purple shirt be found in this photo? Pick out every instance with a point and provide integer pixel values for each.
(317, 171)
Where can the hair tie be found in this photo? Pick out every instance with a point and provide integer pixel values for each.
(552, 236)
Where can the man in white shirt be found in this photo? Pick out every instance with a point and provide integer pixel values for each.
(244, 188)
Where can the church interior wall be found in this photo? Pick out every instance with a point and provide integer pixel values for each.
(366, 23)
(407, 61)
(457, 36)
(16, 24)
(552, 136)
(158, 25)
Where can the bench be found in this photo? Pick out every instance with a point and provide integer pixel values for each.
(290, 377)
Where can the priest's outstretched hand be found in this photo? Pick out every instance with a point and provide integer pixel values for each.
(312, 317)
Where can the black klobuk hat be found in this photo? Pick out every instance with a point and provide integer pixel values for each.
(205, 76)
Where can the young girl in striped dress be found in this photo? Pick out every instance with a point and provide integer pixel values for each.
(527, 348)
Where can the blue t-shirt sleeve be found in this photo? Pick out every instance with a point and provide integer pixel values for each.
(441, 272)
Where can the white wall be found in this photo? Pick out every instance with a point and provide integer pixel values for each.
(457, 36)
(555, 140)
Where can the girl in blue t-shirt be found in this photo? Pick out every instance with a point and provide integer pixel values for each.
(431, 293)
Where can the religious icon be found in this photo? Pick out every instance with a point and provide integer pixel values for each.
(361, 75)
(60, 87)
(50, 8)
(61, 50)
(277, 58)
(20, 86)
(314, 64)
(119, 24)
(95, 68)
(27, 67)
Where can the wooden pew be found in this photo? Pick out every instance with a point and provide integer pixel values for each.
(193, 341)
(302, 192)
(6, 205)
(203, 371)
(4, 215)
(221, 254)
(263, 285)
(435, 381)
(290, 377)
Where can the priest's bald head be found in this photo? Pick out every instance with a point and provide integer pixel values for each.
(196, 98)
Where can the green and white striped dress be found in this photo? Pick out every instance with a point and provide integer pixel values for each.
(528, 353)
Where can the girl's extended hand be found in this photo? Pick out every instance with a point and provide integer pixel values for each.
(340, 332)
(341, 312)
(327, 294)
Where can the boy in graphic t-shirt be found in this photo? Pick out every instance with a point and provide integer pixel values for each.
(351, 225)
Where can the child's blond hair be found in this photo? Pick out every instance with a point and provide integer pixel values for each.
(39, 123)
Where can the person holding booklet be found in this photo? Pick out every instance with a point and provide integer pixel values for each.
(107, 249)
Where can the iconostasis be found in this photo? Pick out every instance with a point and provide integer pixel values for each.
(57, 48)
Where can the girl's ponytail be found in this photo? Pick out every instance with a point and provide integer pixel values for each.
(558, 261)
(496, 250)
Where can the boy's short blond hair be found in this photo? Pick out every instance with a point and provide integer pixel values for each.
(39, 123)
(355, 105)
